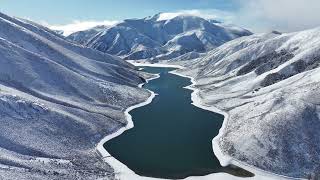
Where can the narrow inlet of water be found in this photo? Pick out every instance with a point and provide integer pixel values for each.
(171, 138)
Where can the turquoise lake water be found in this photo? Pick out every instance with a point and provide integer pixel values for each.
(171, 138)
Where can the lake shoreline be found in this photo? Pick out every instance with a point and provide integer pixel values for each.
(223, 158)
(123, 172)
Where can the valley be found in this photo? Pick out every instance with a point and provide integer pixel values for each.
(178, 145)
(252, 101)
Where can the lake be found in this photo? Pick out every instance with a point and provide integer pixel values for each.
(171, 138)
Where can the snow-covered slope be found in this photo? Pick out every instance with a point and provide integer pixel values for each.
(269, 85)
(57, 101)
(82, 37)
(150, 37)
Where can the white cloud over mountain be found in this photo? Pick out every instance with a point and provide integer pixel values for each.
(207, 14)
(283, 15)
(80, 26)
(264, 15)
(256, 15)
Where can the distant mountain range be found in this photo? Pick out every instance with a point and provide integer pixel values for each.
(151, 38)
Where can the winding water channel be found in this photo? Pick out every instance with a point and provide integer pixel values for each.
(171, 138)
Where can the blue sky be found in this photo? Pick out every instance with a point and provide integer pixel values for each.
(255, 15)
(66, 11)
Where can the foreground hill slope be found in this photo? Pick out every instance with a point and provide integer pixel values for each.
(269, 85)
(57, 101)
(157, 38)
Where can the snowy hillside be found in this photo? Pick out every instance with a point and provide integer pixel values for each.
(82, 37)
(57, 101)
(155, 38)
(269, 85)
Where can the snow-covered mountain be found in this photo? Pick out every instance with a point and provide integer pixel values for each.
(82, 37)
(268, 85)
(57, 101)
(155, 38)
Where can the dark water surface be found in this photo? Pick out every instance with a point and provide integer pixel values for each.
(171, 138)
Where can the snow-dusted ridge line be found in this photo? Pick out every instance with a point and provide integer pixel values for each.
(224, 159)
(166, 39)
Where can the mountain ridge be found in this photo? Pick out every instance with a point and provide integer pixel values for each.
(148, 37)
(57, 101)
(268, 85)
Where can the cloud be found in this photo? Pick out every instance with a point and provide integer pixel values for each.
(215, 14)
(84, 25)
(255, 15)
(283, 15)
(263, 15)
(79, 26)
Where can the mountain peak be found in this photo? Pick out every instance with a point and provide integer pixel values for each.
(154, 17)
(163, 34)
